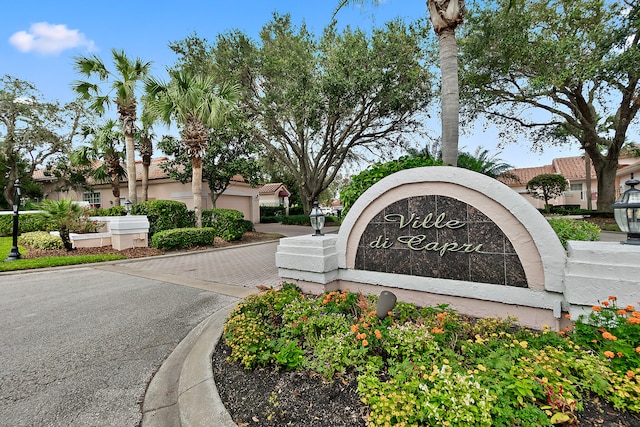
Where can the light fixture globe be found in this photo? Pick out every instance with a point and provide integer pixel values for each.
(626, 211)
(317, 219)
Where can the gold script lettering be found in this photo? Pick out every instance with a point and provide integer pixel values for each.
(427, 222)
(416, 243)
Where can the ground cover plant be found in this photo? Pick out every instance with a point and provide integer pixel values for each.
(432, 366)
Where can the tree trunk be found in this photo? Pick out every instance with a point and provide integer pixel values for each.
(66, 241)
(196, 188)
(606, 172)
(131, 167)
(587, 170)
(146, 162)
(450, 95)
(115, 189)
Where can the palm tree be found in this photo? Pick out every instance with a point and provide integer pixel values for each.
(445, 16)
(62, 213)
(480, 161)
(105, 151)
(196, 104)
(128, 73)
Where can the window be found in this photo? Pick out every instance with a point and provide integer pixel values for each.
(578, 188)
(93, 198)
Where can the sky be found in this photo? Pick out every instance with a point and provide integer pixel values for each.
(40, 38)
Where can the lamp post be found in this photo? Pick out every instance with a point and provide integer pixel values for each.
(15, 253)
(317, 219)
(626, 211)
(127, 206)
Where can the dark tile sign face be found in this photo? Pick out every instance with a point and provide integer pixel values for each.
(442, 237)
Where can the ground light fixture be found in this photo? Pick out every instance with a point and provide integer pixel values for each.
(127, 206)
(317, 219)
(386, 303)
(15, 253)
(626, 211)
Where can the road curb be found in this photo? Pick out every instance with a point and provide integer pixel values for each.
(182, 392)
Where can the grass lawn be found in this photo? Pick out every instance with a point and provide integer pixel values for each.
(25, 264)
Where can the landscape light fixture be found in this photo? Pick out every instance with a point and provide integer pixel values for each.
(317, 219)
(15, 253)
(626, 211)
(386, 303)
(127, 206)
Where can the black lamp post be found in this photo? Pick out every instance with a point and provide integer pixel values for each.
(317, 219)
(127, 206)
(15, 253)
(626, 211)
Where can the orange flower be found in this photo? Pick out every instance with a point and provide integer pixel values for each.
(378, 334)
(595, 308)
(567, 316)
(361, 336)
(620, 354)
(365, 343)
(636, 314)
(633, 320)
(437, 331)
(609, 336)
(354, 328)
(621, 312)
(637, 349)
(605, 303)
(609, 354)
(441, 315)
(630, 307)
(630, 374)
(612, 298)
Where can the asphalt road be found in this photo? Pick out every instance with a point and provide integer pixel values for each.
(79, 346)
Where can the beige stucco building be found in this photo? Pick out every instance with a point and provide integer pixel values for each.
(239, 195)
(574, 170)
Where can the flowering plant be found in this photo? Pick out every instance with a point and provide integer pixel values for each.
(612, 331)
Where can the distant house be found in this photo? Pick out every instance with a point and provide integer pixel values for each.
(275, 194)
(575, 171)
(239, 195)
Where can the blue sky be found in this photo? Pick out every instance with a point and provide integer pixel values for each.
(39, 38)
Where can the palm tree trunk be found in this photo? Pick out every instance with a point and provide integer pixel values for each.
(196, 188)
(146, 161)
(115, 189)
(450, 95)
(131, 167)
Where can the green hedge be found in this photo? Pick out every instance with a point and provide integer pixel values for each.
(41, 240)
(272, 211)
(112, 211)
(181, 238)
(27, 222)
(229, 224)
(164, 215)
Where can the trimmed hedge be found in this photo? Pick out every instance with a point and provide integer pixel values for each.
(27, 222)
(180, 238)
(272, 211)
(164, 215)
(40, 240)
(229, 224)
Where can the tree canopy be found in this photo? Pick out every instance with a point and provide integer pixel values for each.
(557, 71)
(32, 130)
(547, 186)
(316, 103)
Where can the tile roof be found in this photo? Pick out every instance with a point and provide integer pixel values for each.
(572, 167)
(271, 187)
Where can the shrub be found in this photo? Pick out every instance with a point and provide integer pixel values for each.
(269, 219)
(181, 238)
(296, 220)
(41, 240)
(229, 224)
(26, 223)
(571, 229)
(112, 211)
(272, 210)
(296, 210)
(164, 215)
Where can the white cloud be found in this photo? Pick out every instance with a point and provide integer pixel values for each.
(49, 39)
